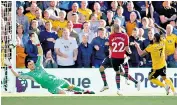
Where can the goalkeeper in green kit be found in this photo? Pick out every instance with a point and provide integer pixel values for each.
(38, 74)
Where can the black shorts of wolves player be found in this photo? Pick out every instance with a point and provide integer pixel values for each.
(155, 73)
(116, 63)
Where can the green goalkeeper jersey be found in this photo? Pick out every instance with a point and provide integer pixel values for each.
(43, 78)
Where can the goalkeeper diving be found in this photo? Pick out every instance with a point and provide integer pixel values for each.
(38, 74)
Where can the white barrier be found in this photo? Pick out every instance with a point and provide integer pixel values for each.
(91, 79)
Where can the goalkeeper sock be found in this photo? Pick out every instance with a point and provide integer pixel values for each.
(78, 89)
(157, 82)
(168, 82)
(118, 81)
(104, 78)
(126, 68)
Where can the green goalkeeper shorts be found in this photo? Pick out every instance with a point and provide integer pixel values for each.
(56, 90)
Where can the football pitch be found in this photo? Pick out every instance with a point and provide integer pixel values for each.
(88, 100)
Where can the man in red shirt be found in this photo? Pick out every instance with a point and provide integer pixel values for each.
(119, 45)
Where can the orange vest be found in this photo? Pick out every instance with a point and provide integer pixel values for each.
(20, 57)
(130, 26)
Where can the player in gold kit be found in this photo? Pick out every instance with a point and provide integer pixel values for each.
(157, 52)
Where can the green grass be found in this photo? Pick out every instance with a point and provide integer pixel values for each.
(91, 100)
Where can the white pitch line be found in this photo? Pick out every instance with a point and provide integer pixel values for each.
(56, 95)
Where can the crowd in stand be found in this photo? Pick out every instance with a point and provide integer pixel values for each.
(75, 34)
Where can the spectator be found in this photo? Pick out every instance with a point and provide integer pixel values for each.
(66, 50)
(141, 41)
(114, 6)
(93, 17)
(173, 61)
(117, 21)
(167, 14)
(174, 27)
(75, 7)
(152, 25)
(142, 7)
(34, 27)
(157, 6)
(122, 4)
(47, 17)
(53, 11)
(31, 49)
(20, 3)
(23, 38)
(171, 41)
(147, 58)
(141, 34)
(82, 19)
(130, 9)
(27, 5)
(98, 12)
(49, 61)
(119, 15)
(31, 15)
(58, 25)
(174, 4)
(22, 19)
(48, 38)
(84, 10)
(130, 25)
(109, 21)
(40, 20)
(100, 46)
(145, 23)
(85, 51)
(86, 31)
(65, 5)
(72, 32)
(76, 25)
(102, 23)
(135, 59)
(104, 6)
(20, 55)
(94, 23)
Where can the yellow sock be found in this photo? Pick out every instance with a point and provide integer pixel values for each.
(157, 82)
(168, 82)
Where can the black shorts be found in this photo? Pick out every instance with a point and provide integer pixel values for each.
(106, 62)
(116, 63)
(154, 74)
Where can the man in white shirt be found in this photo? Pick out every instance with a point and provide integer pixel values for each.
(66, 50)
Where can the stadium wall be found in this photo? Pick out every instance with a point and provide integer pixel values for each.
(91, 79)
